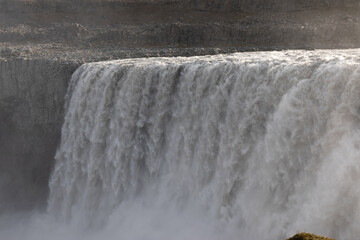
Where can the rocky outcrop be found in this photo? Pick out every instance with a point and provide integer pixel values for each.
(307, 236)
(31, 114)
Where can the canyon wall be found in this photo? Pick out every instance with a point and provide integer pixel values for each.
(31, 114)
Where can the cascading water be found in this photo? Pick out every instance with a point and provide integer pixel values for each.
(246, 146)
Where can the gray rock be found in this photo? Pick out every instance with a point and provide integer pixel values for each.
(31, 114)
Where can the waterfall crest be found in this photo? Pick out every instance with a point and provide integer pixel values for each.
(251, 145)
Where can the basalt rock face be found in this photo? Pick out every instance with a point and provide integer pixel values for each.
(120, 24)
(31, 113)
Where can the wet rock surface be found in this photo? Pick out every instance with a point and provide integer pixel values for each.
(31, 114)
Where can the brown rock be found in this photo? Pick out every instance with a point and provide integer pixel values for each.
(308, 236)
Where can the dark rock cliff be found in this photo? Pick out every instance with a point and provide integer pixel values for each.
(31, 111)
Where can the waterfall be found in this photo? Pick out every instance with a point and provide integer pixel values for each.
(242, 146)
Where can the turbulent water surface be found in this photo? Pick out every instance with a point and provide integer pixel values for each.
(250, 146)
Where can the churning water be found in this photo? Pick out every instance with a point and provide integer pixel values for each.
(250, 146)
